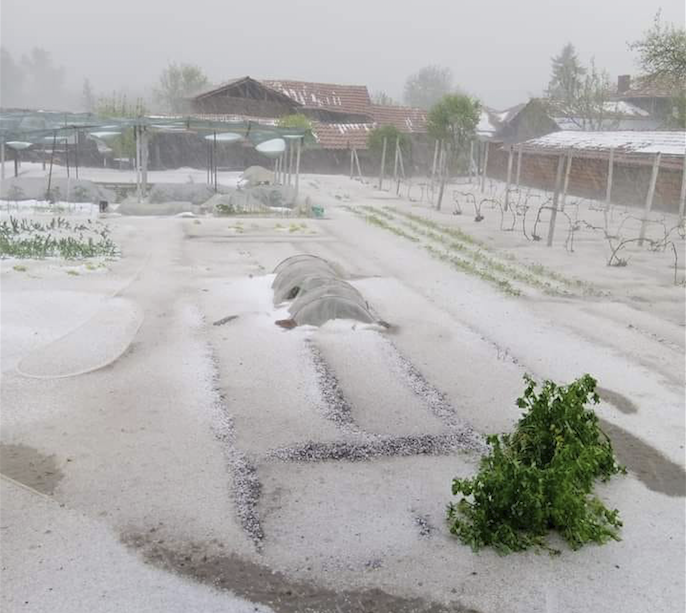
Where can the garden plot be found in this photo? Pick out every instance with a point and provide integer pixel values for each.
(313, 465)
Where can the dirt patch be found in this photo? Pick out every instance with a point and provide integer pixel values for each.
(259, 584)
(653, 469)
(617, 400)
(30, 467)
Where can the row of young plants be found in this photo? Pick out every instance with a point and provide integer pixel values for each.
(22, 238)
(536, 269)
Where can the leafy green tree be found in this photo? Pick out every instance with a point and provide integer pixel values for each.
(427, 86)
(567, 76)
(297, 121)
(393, 137)
(579, 94)
(662, 57)
(662, 52)
(453, 120)
(177, 83)
(118, 106)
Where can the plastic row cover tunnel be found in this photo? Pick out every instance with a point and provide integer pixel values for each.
(318, 292)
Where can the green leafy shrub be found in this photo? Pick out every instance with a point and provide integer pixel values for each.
(540, 477)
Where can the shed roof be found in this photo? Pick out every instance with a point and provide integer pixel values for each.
(353, 98)
(404, 118)
(637, 146)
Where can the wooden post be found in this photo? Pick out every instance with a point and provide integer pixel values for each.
(352, 161)
(556, 199)
(16, 162)
(214, 157)
(52, 159)
(402, 163)
(144, 161)
(682, 196)
(566, 183)
(433, 167)
(357, 163)
(2, 158)
(483, 170)
(291, 178)
(383, 163)
(76, 152)
(444, 175)
(510, 158)
(649, 197)
(395, 161)
(471, 160)
(297, 170)
(610, 172)
(519, 163)
(137, 137)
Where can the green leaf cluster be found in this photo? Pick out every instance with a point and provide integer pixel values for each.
(540, 477)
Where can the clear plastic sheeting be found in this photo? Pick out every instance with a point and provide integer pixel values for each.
(326, 308)
(314, 288)
(288, 282)
(318, 291)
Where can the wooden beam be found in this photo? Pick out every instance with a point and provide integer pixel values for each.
(556, 199)
(610, 173)
(649, 197)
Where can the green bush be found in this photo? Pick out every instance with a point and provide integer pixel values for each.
(541, 477)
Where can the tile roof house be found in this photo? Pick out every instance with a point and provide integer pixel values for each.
(406, 119)
(654, 95)
(325, 99)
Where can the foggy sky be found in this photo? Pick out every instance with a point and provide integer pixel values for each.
(499, 50)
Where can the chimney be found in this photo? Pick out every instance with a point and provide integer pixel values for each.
(623, 83)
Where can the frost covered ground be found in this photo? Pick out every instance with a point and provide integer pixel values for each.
(158, 450)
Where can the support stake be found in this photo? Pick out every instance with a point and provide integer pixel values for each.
(649, 197)
(556, 199)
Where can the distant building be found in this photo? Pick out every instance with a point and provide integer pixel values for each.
(654, 96)
(342, 116)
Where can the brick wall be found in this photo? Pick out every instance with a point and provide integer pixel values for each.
(588, 178)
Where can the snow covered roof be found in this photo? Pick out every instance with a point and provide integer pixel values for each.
(351, 98)
(629, 144)
(342, 135)
(404, 118)
(491, 122)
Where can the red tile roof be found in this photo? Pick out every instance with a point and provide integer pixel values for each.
(342, 135)
(352, 98)
(404, 118)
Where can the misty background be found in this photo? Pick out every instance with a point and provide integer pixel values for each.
(496, 50)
